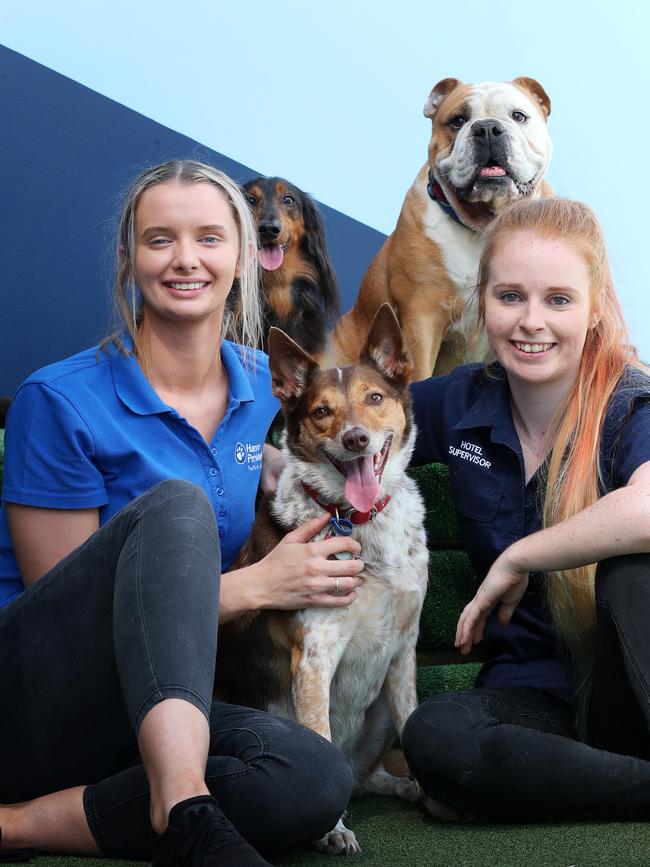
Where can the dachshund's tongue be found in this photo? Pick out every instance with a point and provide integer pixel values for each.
(270, 257)
(361, 485)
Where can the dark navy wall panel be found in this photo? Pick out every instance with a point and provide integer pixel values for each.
(66, 155)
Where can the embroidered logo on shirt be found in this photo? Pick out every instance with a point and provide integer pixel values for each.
(470, 452)
(249, 453)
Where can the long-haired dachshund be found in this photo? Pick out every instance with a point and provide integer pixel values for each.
(299, 286)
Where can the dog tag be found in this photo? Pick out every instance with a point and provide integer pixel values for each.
(341, 527)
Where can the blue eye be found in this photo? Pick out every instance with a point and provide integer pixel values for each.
(509, 297)
(559, 300)
(210, 239)
(159, 242)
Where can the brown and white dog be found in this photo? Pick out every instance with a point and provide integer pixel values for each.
(348, 673)
(489, 147)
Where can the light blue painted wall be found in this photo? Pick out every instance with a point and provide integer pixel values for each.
(331, 94)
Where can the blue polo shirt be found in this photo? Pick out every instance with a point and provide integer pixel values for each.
(465, 420)
(90, 432)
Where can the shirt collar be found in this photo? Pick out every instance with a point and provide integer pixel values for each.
(134, 390)
(492, 409)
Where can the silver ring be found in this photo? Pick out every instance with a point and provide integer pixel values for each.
(336, 587)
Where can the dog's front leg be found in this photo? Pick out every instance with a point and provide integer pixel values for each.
(402, 701)
(312, 670)
(312, 675)
(423, 336)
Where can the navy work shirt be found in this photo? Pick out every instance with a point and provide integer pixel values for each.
(464, 420)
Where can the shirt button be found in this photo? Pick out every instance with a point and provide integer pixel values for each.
(219, 491)
(222, 532)
(213, 472)
(223, 512)
(213, 450)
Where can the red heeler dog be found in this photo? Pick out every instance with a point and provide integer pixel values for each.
(348, 673)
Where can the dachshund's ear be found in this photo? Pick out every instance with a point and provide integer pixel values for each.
(315, 246)
(290, 366)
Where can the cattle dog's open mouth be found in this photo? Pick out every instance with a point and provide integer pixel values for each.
(362, 476)
(271, 256)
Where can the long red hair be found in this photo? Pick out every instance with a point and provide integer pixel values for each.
(573, 478)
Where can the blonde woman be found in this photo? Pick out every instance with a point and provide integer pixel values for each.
(129, 485)
(549, 457)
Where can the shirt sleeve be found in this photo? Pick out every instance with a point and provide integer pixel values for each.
(428, 399)
(49, 451)
(632, 447)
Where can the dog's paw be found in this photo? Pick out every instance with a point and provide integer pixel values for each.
(407, 789)
(439, 810)
(338, 841)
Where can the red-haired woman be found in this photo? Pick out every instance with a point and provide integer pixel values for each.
(549, 461)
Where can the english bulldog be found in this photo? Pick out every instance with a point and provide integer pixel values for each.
(489, 147)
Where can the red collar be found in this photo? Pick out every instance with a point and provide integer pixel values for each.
(352, 515)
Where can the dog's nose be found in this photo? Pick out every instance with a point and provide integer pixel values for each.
(356, 439)
(487, 129)
(270, 229)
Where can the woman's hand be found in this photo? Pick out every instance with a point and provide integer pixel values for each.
(502, 586)
(295, 574)
(298, 574)
(273, 462)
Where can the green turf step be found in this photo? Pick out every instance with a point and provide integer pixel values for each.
(440, 520)
(452, 584)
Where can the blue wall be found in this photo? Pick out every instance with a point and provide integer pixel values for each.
(67, 154)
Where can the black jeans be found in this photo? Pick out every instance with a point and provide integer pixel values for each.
(125, 621)
(514, 753)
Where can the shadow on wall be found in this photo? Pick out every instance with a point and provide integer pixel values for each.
(69, 154)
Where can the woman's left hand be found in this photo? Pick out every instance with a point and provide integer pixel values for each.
(502, 586)
(273, 462)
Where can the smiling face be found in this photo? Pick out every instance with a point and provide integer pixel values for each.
(186, 252)
(538, 308)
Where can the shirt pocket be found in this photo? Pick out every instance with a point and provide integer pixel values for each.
(475, 499)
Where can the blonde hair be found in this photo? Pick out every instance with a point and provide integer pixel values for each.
(242, 320)
(573, 478)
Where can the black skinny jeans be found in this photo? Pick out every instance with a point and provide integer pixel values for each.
(514, 754)
(125, 621)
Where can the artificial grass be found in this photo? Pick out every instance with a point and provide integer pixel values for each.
(396, 834)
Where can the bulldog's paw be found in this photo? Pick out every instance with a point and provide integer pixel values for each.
(338, 841)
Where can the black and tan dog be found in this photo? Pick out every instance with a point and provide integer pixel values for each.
(300, 289)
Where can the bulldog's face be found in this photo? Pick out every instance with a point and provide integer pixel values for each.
(489, 144)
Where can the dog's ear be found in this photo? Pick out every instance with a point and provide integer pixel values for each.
(536, 91)
(385, 347)
(440, 91)
(290, 366)
(315, 246)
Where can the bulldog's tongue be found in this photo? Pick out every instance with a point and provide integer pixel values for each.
(492, 172)
(270, 257)
(361, 485)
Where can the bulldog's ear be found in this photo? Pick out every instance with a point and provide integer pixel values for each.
(535, 89)
(290, 366)
(385, 347)
(439, 92)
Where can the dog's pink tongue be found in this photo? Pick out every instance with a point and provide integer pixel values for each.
(361, 485)
(270, 257)
(492, 172)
